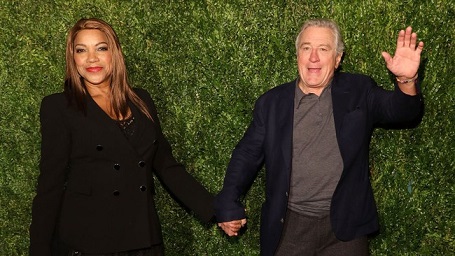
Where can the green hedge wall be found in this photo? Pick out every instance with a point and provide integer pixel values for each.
(205, 62)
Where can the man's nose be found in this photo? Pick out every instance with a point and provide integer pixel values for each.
(314, 57)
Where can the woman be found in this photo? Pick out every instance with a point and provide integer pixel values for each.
(101, 141)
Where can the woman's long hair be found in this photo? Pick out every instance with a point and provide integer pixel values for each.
(121, 91)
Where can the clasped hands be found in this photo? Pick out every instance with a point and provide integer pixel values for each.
(231, 228)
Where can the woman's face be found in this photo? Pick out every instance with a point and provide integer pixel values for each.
(93, 57)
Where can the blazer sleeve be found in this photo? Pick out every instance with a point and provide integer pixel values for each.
(55, 147)
(395, 109)
(246, 161)
(184, 187)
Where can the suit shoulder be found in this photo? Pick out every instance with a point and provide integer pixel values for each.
(144, 95)
(56, 99)
(352, 77)
(349, 80)
(280, 90)
(53, 108)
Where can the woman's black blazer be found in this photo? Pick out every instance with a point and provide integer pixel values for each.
(95, 188)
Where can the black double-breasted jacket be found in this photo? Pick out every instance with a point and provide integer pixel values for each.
(95, 188)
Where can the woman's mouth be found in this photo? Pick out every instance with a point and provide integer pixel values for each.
(93, 69)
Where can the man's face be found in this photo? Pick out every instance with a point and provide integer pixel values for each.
(317, 59)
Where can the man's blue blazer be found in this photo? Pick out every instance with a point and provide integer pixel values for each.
(359, 106)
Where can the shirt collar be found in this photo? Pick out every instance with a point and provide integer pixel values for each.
(299, 93)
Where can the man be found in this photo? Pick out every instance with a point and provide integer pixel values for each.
(313, 135)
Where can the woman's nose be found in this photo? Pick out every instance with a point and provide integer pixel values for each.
(92, 57)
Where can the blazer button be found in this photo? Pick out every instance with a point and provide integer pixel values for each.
(99, 147)
(141, 164)
(155, 142)
(116, 193)
(282, 220)
(116, 167)
(143, 188)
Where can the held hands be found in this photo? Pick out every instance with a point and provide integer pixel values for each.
(405, 63)
(231, 228)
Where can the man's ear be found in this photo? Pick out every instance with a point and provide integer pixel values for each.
(338, 60)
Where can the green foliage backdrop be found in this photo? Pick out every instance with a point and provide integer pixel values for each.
(205, 62)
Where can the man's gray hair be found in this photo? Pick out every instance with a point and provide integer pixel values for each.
(323, 23)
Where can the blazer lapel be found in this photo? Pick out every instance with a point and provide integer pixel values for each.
(106, 123)
(285, 122)
(145, 130)
(340, 102)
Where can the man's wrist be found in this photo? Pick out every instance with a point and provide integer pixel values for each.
(405, 80)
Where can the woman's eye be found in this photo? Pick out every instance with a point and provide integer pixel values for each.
(80, 50)
(104, 48)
